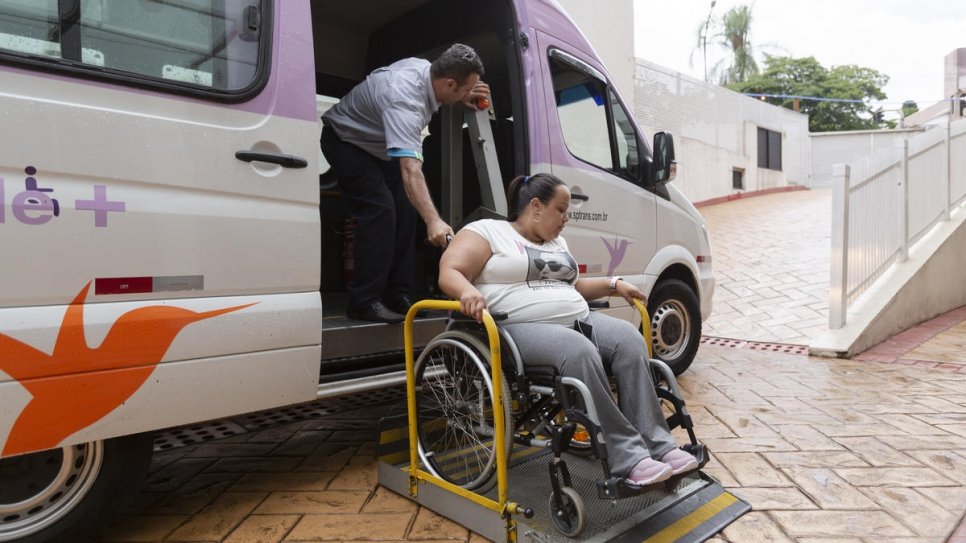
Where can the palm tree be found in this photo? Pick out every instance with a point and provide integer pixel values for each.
(734, 36)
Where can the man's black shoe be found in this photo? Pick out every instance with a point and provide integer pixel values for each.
(376, 312)
(400, 303)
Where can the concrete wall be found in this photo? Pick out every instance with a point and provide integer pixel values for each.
(716, 132)
(830, 148)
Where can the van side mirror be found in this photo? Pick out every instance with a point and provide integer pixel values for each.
(663, 165)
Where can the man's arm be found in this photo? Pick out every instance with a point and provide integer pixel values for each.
(415, 184)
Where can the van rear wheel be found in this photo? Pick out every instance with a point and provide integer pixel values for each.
(67, 494)
(675, 324)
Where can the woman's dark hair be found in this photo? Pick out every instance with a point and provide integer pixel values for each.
(524, 188)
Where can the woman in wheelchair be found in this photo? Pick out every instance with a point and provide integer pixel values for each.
(522, 267)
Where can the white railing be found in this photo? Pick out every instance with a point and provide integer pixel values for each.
(887, 202)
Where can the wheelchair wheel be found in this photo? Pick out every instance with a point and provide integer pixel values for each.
(454, 405)
(568, 517)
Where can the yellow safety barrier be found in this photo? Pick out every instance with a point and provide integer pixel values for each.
(502, 505)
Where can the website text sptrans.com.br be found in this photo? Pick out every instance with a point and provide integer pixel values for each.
(585, 216)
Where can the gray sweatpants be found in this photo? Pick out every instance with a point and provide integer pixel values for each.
(637, 429)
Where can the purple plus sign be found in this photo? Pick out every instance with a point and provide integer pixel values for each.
(99, 205)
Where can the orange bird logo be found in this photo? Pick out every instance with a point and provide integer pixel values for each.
(75, 386)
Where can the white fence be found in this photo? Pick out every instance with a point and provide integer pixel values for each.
(885, 203)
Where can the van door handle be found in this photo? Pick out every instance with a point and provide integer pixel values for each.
(286, 161)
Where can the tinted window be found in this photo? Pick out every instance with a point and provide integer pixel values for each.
(208, 45)
(769, 149)
(628, 162)
(595, 126)
(583, 115)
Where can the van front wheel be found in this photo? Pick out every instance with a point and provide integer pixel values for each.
(675, 324)
(67, 494)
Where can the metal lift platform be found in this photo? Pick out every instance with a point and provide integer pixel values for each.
(690, 509)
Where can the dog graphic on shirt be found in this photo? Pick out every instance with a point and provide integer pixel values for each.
(549, 266)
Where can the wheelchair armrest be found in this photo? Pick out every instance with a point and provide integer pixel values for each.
(457, 316)
(599, 304)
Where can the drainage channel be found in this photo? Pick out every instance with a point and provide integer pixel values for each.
(784, 348)
(193, 434)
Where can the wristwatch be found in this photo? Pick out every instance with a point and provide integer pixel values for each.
(613, 282)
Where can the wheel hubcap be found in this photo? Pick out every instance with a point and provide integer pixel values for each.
(38, 489)
(670, 329)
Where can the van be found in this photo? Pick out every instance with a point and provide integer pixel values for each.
(174, 252)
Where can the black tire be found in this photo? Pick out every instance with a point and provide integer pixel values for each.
(69, 494)
(675, 324)
(569, 517)
(454, 405)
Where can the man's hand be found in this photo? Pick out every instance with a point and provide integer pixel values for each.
(480, 90)
(438, 232)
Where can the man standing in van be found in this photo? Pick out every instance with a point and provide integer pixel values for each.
(373, 140)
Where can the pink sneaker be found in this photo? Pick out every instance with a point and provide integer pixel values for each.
(649, 471)
(680, 461)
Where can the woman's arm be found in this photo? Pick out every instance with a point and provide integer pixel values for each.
(592, 288)
(461, 264)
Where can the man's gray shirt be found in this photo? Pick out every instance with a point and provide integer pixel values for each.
(389, 110)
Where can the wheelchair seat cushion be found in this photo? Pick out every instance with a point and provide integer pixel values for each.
(542, 375)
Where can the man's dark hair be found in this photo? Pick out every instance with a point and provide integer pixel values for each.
(525, 188)
(457, 62)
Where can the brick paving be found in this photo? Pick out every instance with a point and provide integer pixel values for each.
(867, 450)
(771, 264)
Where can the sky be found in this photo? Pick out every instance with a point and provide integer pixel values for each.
(904, 39)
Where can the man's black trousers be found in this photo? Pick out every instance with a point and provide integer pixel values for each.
(385, 221)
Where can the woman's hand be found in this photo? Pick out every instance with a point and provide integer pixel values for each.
(472, 304)
(629, 291)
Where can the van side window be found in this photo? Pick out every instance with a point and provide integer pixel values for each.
(212, 47)
(595, 126)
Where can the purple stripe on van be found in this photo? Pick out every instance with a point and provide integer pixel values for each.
(290, 91)
(547, 23)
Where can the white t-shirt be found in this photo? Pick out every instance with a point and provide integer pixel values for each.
(529, 282)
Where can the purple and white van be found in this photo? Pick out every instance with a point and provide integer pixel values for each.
(173, 252)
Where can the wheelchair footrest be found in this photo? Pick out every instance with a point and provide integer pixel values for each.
(617, 488)
(700, 452)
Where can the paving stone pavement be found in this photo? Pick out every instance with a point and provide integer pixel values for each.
(868, 450)
(771, 264)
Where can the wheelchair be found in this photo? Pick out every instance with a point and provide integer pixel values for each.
(456, 410)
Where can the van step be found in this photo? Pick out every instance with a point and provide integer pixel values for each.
(344, 338)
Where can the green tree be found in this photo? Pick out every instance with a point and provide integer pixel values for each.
(735, 36)
(806, 77)
(909, 107)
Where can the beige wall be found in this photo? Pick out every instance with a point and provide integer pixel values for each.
(609, 25)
